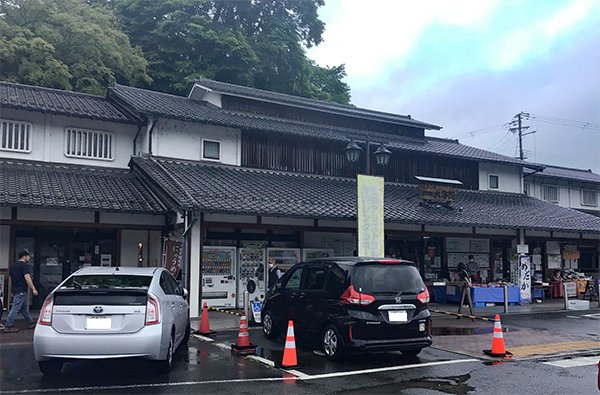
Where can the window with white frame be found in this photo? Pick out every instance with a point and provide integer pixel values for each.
(550, 193)
(589, 197)
(527, 189)
(493, 182)
(211, 150)
(90, 144)
(15, 136)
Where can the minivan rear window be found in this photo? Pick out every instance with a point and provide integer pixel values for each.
(107, 281)
(398, 279)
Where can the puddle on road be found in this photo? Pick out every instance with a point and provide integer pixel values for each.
(450, 385)
(442, 331)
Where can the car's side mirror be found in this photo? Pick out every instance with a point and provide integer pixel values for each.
(185, 293)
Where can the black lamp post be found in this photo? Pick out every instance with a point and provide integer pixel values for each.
(382, 154)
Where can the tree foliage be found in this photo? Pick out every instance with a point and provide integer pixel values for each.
(66, 44)
(165, 45)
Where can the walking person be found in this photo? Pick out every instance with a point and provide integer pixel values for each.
(21, 280)
(274, 273)
(466, 289)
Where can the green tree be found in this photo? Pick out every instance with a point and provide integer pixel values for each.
(257, 43)
(66, 44)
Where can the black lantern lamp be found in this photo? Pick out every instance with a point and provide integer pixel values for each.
(382, 155)
(352, 151)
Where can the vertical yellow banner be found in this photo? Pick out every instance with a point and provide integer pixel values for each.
(370, 216)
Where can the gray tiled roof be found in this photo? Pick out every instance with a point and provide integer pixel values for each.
(231, 189)
(566, 174)
(56, 185)
(56, 101)
(178, 107)
(319, 105)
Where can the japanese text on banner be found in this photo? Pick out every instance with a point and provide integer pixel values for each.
(370, 216)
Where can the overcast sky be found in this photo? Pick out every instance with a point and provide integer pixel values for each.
(470, 66)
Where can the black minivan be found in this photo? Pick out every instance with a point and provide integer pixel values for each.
(338, 304)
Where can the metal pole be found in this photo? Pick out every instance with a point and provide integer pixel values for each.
(246, 302)
(565, 296)
(505, 299)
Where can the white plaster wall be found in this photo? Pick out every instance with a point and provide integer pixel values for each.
(132, 219)
(48, 138)
(129, 243)
(179, 139)
(509, 177)
(570, 194)
(4, 246)
(42, 214)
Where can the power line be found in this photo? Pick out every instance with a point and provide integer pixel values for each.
(476, 132)
(566, 122)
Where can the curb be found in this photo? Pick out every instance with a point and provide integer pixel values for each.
(591, 310)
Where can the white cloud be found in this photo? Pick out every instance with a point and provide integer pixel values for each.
(370, 36)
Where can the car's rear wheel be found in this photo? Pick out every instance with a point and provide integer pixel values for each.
(332, 343)
(186, 335)
(165, 365)
(412, 353)
(268, 324)
(51, 367)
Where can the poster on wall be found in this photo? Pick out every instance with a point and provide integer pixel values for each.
(525, 278)
(554, 261)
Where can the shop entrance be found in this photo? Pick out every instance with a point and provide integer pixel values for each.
(58, 252)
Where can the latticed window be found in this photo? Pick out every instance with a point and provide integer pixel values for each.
(550, 193)
(589, 197)
(92, 144)
(15, 136)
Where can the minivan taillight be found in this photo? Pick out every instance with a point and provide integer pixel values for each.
(46, 312)
(351, 296)
(424, 296)
(152, 310)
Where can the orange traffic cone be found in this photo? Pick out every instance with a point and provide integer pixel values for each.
(204, 325)
(289, 352)
(243, 346)
(498, 349)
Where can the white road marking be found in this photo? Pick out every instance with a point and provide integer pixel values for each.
(387, 369)
(262, 360)
(203, 338)
(595, 316)
(223, 346)
(299, 376)
(575, 362)
(573, 316)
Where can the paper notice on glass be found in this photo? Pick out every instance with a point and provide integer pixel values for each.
(554, 261)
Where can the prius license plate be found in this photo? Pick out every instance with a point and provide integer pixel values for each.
(98, 322)
(397, 315)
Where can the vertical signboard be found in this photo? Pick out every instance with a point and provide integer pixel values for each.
(370, 216)
(525, 278)
(172, 257)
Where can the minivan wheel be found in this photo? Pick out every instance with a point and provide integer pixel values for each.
(51, 367)
(332, 343)
(411, 353)
(268, 325)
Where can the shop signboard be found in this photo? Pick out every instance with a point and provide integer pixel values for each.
(525, 278)
(571, 288)
(370, 216)
(172, 257)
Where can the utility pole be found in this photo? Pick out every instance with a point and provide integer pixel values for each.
(517, 126)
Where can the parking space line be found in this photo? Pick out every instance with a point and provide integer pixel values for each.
(203, 338)
(304, 376)
(574, 362)
(262, 360)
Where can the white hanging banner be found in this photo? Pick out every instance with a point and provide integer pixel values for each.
(370, 216)
(525, 278)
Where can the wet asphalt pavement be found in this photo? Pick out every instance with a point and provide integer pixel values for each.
(209, 368)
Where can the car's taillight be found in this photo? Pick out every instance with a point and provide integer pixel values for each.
(152, 311)
(424, 296)
(46, 312)
(351, 296)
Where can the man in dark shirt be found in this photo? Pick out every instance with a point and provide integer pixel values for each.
(274, 273)
(466, 289)
(21, 279)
